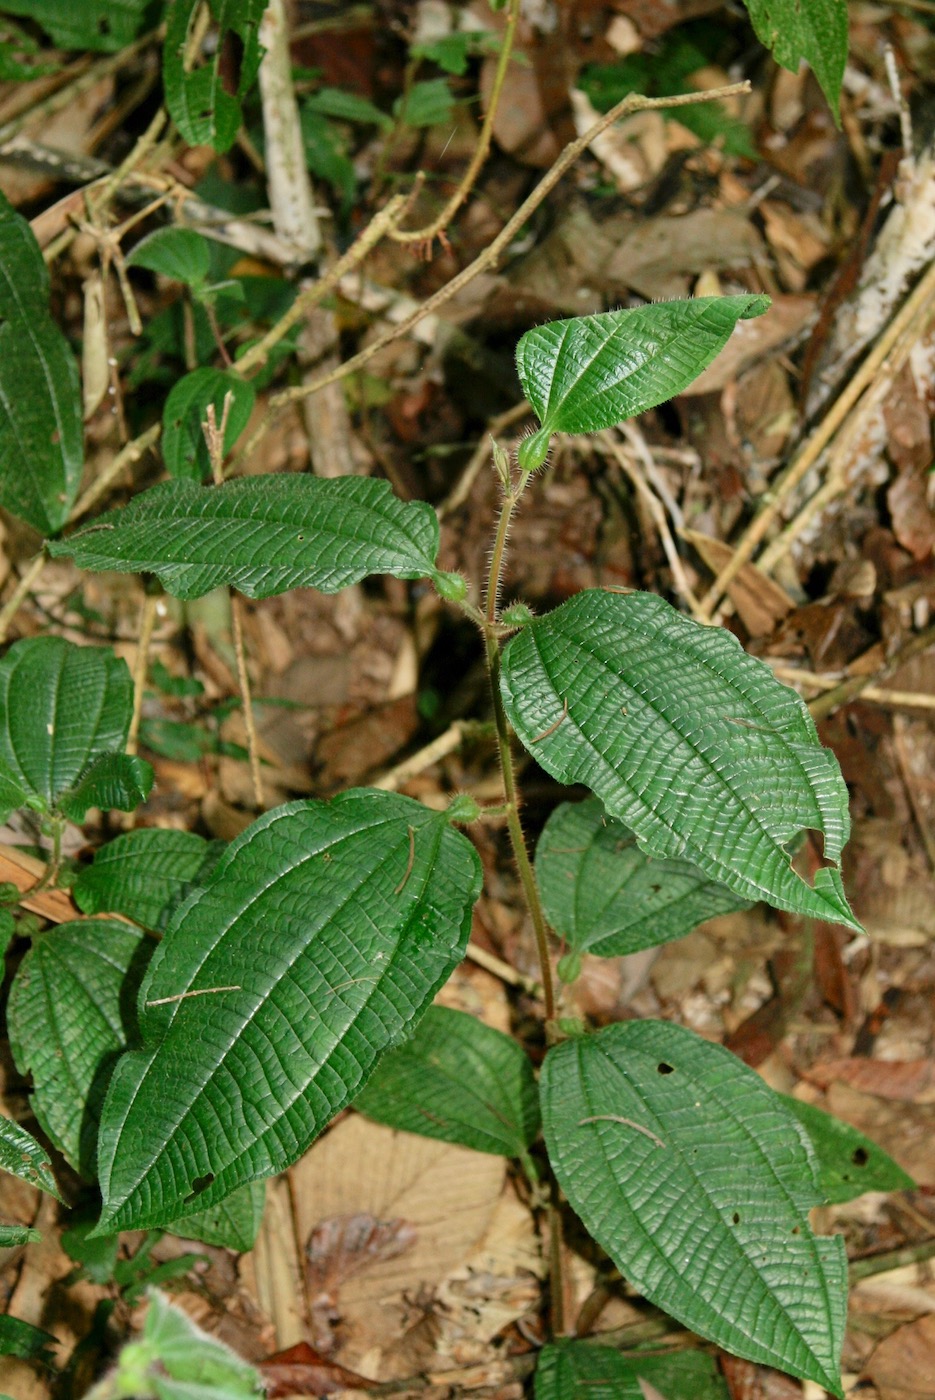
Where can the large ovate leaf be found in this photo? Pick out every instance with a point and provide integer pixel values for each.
(232, 1223)
(458, 1080)
(591, 372)
(317, 943)
(41, 434)
(815, 30)
(61, 708)
(582, 1370)
(602, 895)
(697, 1181)
(71, 1012)
(184, 449)
(262, 535)
(848, 1163)
(21, 1156)
(103, 25)
(695, 745)
(112, 781)
(143, 874)
(205, 103)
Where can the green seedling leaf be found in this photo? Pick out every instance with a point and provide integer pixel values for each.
(571, 1370)
(175, 1360)
(184, 449)
(692, 743)
(143, 874)
(21, 1156)
(347, 106)
(231, 1224)
(697, 1181)
(61, 707)
(12, 1236)
(316, 944)
(602, 895)
(815, 30)
(452, 51)
(101, 25)
(426, 104)
(848, 1163)
(41, 434)
(460, 1081)
(95, 1255)
(591, 372)
(70, 1014)
(21, 57)
(112, 781)
(204, 103)
(179, 253)
(262, 535)
(18, 1338)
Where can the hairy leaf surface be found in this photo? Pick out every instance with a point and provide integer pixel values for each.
(591, 372)
(571, 1370)
(458, 1080)
(184, 449)
(697, 1181)
(262, 535)
(61, 707)
(602, 895)
(815, 30)
(317, 943)
(204, 103)
(71, 1011)
(112, 781)
(848, 1163)
(143, 874)
(41, 434)
(692, 743)
(21, 1156)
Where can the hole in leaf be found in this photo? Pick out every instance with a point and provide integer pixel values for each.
(736, 1217)
(103, 25)
(796, 1230)
(817, 839)
(859, 1157)
(663, 1068)
(200, 1184)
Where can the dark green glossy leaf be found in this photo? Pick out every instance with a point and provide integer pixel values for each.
(602, 895)
(697, 1181)
(71, 1012)
(61, 707)
(184, 449)
(458, 1080)
(18, 1338)
(112, 781)
(144, 873)
(12, 1236)
(41, 434)
(204, 103)
(848, 1163)
(262, 535)
(317, 943)
(231, 1224)
(692, 743)
(21, 1156)
(591, 372)
(570, 1370)
(815, 30)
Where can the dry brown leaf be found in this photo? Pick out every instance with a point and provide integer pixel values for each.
(658, 256)
(905, 1131)
(903, 1365)
(760, 602)
(908, 1081)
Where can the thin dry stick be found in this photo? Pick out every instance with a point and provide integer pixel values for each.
(437, 226)
(417, 763)
(480, 457)
(253, 745)
(125, 458)
(918, 303)
(16, 599)
(141, 667)
(877, 695)
(849, 689)
(905, 771)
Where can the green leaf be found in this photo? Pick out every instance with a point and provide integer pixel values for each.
(460, 1081)
(18, 1338)
(175, 1360)
(848, 1163)
(96, 1255)
(347, 106)
(70, 1013)
(692, 743)
(101, 25)
(429, 103)
(231, 1224)
(41, 434)
(602, 895)
(262, 535)
(7, 930)
(179, 253)
(316, 944)
(580, 1370)
(452, 51)
(184, 449)
(203, 102)
(113, 782)
(697, 1181)
(61, 707)
(12, 1236)
(815, 30)
(21, 1156)
(21, 58)
(591, 372)
(143, 874)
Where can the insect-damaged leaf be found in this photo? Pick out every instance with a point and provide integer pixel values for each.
(204, 104)
(316, 943)
(692, 743)
(697, 1181)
